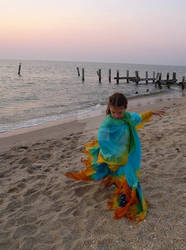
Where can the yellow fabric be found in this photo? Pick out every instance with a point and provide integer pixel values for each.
(145, 118)
(113, 167)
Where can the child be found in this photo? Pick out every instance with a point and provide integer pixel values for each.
(115, 157)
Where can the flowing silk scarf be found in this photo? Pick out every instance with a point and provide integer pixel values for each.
(126, 119)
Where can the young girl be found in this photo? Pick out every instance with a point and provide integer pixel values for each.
(115, 157)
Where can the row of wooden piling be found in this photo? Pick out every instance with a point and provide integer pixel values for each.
(156, 78)
(98, 73)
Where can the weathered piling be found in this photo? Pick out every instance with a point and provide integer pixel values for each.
(99, 75)
(167, 76)
(174, 76)
(19, 70)
(153, 77)
(137, 77)
(146, 76)
(156, 79)
(159, 81)
(117, 77)
(83, 75)
(78, 71)
(109, 75)
(183, 83)
(127, 74)
(167, 81)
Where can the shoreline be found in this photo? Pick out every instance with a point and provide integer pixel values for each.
(134, 102)
(54, 129)
(93, 111)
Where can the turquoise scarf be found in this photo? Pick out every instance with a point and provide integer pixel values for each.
(132, 128)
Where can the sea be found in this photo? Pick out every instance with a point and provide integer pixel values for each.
(52, 90)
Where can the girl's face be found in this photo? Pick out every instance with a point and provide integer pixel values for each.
(117, 112)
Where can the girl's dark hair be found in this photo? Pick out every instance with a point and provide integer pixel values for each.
(116, 100)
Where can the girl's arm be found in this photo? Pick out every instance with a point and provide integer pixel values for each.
(158, 112)
(145, 117)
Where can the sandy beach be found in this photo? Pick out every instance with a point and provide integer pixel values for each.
(41, 209)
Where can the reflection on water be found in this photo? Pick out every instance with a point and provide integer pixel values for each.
(49, 91)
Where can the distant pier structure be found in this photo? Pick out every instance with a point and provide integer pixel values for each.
(155, 79)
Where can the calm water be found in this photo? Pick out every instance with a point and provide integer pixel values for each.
(49, 90)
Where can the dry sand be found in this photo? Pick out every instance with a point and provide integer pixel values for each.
(41, 209)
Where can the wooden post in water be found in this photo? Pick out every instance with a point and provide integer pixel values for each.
(137, 77)
(153, 77)
(159, 81)
(127, 76)
(174, 76)
(83, 75)
(99, 75)
(146, 76)
(109, 75)
(117, 77)
(167, 76)
(78, 71)
(183, 83)
(167, 81)
(19, 70)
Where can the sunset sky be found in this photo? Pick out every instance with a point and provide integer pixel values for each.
(128, 31)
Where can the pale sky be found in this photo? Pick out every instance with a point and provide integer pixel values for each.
(128, 31)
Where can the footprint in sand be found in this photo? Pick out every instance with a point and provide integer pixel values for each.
(12, 206)
(80, 191)
(68, 212)
(19, 187)
(45, 156)
(26, 219)
(30, 191)
(24, 230)
(5, 173)
(25, 161)
(29, 199)
(148, 188)
(21, 149)
(178, 180)
(13, 190)
(9, 244)
(158, 195)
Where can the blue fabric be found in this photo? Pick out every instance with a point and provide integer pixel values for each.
(113, 139)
